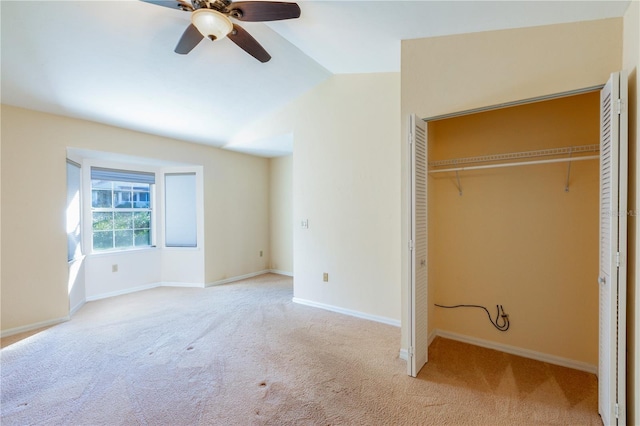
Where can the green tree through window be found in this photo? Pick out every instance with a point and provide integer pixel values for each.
(121, 211)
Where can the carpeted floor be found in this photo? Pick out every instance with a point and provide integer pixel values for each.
(244, 354)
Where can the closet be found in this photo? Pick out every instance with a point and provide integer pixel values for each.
(524, 207)
(524, 236)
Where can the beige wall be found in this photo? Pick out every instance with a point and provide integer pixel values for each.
(631, 63)
(456, 73)
(346, 180)
(236, 215)
(515, 237)
(345, 183)
(281, 208)
(34, 266)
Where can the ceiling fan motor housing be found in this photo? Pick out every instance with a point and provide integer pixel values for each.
(219, 5)
(211, 23)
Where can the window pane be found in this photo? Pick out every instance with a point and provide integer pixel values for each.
(124, 238)
(142, 220)
(123, 220)
(141, 199)
(102, 240)
(142, 238)
(74, 210)
(101, 198)
(122, 199)
(102, 221)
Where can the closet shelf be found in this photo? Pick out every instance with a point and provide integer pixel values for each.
(570, 151)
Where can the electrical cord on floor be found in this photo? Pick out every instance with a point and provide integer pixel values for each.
(496, 323)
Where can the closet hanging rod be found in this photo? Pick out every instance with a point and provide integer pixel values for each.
(519, 163)
(570, 150)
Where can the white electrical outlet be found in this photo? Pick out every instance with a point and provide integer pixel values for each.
(325, 277)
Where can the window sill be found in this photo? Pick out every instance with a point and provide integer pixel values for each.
(178, 248)
(76, 259)
(122, 251)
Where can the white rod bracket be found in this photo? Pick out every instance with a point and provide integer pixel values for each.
(566, 186)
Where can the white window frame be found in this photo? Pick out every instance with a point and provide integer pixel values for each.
(199, 199)
(87, 165)
(181, 221)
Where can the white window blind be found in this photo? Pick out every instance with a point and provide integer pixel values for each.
(99, 173)
(74, 249)
(180, 210)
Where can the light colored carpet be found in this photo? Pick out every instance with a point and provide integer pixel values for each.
(244, 354)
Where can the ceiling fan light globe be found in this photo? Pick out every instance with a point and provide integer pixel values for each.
(211, 23)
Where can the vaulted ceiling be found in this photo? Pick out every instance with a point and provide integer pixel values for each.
(113, 62)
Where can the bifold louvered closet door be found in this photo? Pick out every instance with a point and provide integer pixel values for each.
(418, 309)
(613, 250)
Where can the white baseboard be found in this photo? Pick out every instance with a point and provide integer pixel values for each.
(174, 284)
(30, 327)
(432, 336)
(76, 308)
(513, 350)
(143, 287)
(178, 284)
(526, 353)
(357, 314)
(279, 272)
(404, 354)
(238, 278)
(121, 292)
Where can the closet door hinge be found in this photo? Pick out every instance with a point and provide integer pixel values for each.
(410, 352)
(618, 259)
(619, 106)
(411, 245)
(410, 138)
(616, 411)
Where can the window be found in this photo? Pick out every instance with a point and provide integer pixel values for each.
(121, 208)
(180, 210)
(73, 211)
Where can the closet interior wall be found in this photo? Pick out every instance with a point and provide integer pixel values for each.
(515, 237)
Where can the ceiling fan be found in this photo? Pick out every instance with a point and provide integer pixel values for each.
(211, 19)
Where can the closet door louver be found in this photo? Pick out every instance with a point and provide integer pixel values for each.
(613, 251)
(418, 356)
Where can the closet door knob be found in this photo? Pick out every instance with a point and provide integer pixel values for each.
(601, 280)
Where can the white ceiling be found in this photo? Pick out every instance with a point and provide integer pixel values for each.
(113, 62)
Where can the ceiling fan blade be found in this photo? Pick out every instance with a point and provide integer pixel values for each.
(259, 11)
(172, 4)
(246, 42)
(190, 39)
